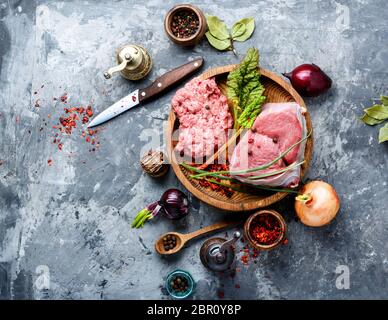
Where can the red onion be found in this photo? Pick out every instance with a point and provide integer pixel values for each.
(309, 80)
(173, 205)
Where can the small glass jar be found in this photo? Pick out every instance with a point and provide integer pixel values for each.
(180, 294)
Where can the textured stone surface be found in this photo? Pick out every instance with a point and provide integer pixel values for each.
(71, 220)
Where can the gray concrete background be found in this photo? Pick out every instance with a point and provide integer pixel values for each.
(72, 218)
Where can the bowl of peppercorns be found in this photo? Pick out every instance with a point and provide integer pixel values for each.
(180, 284)
(185, 24)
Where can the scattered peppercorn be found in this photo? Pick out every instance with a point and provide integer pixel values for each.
(169, 242)
(184, 24)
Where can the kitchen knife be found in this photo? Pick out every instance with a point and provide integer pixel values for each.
(139, 96)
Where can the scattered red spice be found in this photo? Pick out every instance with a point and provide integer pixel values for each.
(285, 241)
(221, 294)
(50, 162)
(64, 98)
(245, 259)
(249, 254)
(89, 111)
(69, 122)
(215, 187)
(266, 229)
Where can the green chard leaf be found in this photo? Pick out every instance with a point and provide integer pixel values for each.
(378, 112)
(238, 30)
(218, 44)
(245, 90)
(249, 24)
(383, 133)
(217, 28)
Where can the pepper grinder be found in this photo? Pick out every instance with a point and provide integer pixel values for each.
(217, 254)
(133, 62)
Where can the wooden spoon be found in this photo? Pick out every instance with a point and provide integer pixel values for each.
(181, 238)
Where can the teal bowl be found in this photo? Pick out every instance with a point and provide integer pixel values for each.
(177, 294)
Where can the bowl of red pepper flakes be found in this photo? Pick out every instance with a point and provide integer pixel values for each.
(185, 24)
(265, 230)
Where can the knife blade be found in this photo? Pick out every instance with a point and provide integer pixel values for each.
(139, 96)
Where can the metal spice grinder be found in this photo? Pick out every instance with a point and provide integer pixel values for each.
(217, 254)
(133, 62)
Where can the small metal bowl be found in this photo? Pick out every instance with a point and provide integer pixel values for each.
(176, 294)
(195, 38)
(258, 245)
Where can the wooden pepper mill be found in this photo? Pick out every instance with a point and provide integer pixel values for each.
(133, 62)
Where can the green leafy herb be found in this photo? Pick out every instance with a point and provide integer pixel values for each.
(245, 90)
(377, 114)
(383, 134)
(238, 29)
(370, 121)
(216, 43)
(249, 24)
(384, 100)
(217, 28)
(220, 37)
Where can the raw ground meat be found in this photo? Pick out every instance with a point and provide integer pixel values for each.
(204, 118)
(278, 126)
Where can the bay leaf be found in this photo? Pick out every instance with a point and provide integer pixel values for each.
(384, 100)
(383, 133)
(369, 120)
(217, 28)
(379, 112)
(249, 24)
(217, 43)
(238, 29)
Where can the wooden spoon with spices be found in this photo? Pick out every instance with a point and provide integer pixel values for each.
(172, 242)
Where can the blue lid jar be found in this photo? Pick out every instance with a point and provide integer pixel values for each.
(172, 278)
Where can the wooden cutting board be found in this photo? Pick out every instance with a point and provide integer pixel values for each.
(276, 90)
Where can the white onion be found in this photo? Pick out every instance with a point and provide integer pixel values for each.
(318, 204)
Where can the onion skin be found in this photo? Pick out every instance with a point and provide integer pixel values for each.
(320, 206)
(309, 80)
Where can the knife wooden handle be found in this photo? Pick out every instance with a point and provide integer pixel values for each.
(169, 79)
